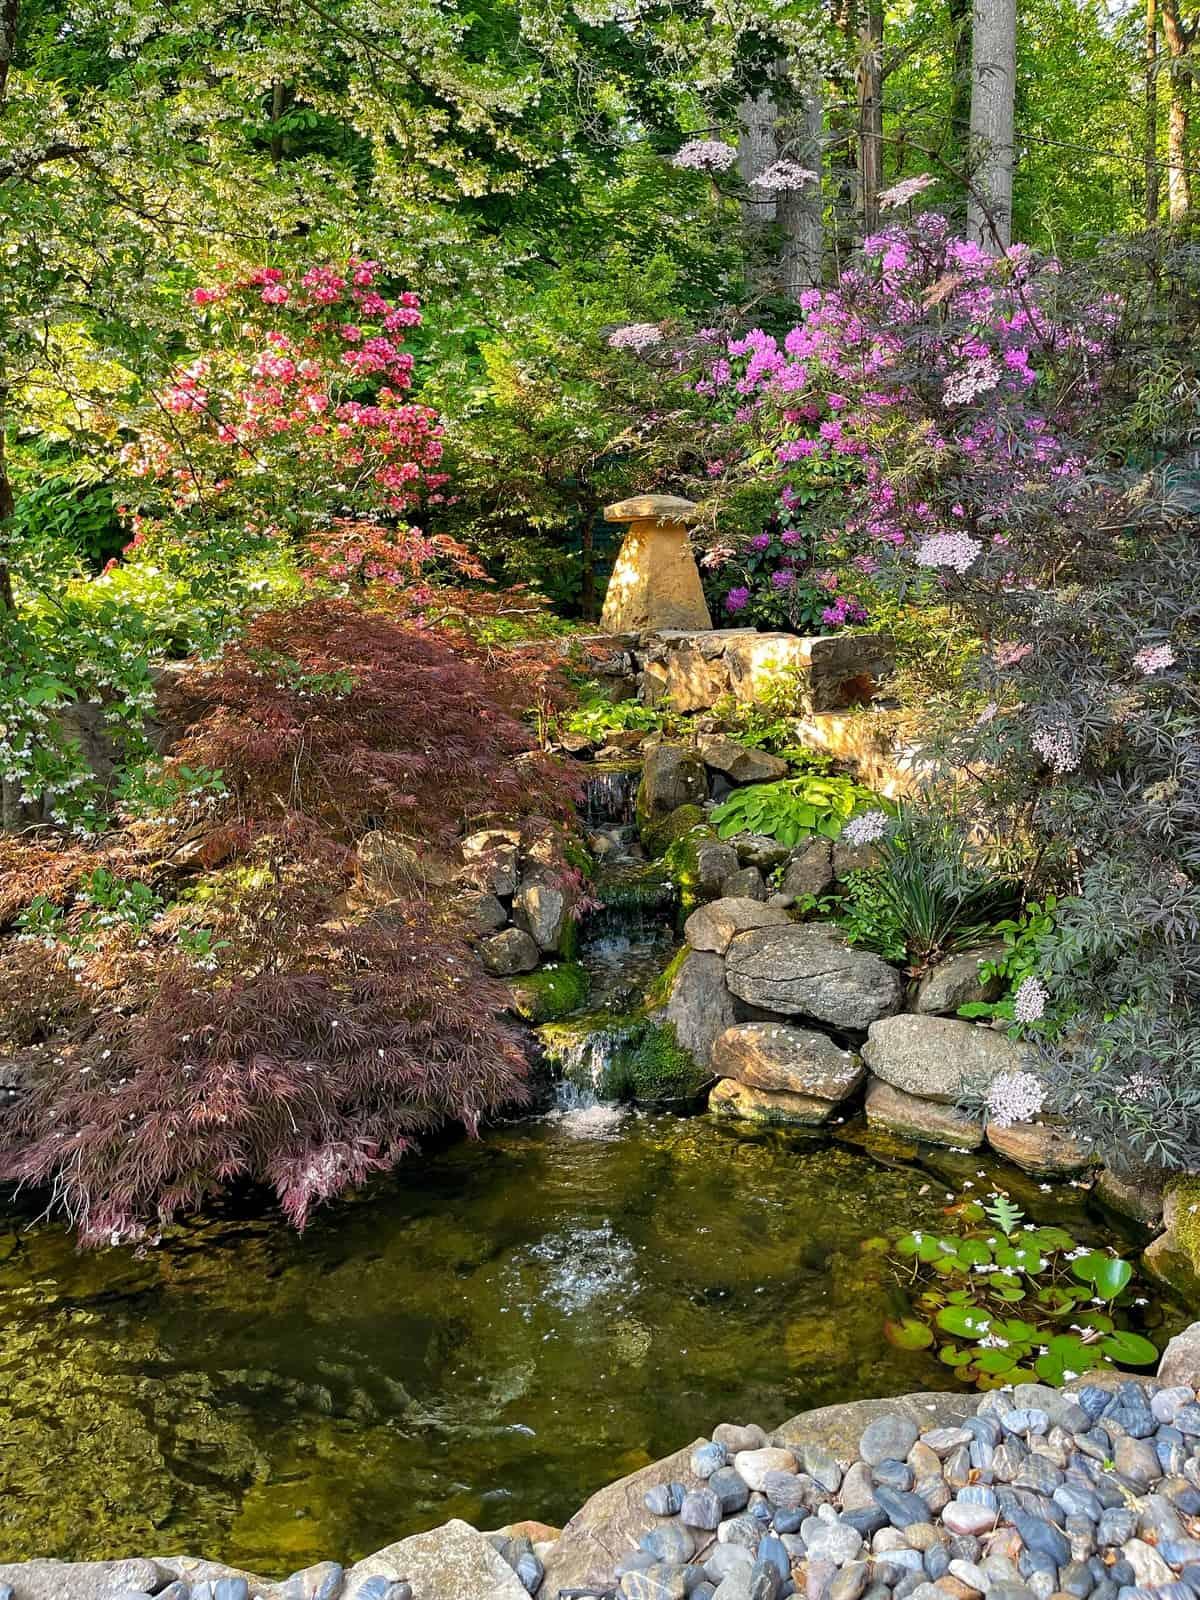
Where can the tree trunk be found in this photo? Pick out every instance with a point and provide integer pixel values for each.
(993, 88)
(587, 557)
(800, 212)
(1179, 43)
(10, 13)
(870, 113)
(960, 92)
(757, 150)
(1150, 131)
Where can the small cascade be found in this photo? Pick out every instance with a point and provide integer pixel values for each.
(627, 941)
(587, 1054)
(610, 794)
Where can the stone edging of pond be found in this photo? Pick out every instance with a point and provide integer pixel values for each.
(1087, 1493)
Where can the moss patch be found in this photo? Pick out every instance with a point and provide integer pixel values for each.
(624, 1058)
(659, 992)
(657, 837)
(551, 992)
(1182, 1217)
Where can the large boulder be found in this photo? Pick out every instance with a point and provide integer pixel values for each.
(924, 1120)
(935, 1057)
(711, 927)
(1042, 1149)
(1133, 1194)
(610, 1525)
(809, 970)
(731, 1101)
(740, 764)
(839, 1428)
(746, 883)
(453, 1560)
(672, 776)
(699, 1005)
(778, 1056)
(956, 982)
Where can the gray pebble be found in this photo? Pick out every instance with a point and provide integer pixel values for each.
(671, 1543)
(887, 1438)
(707, 1458)
(701, 1509)
(322, 1582)
(730, 1489)
(664, 1499)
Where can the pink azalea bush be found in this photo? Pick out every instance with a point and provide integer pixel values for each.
(294, 412)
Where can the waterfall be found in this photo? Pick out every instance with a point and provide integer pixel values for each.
(610, 794)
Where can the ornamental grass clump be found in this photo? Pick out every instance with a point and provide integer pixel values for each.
(1005, 1301)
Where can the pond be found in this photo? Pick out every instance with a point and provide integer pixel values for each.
(495, 1333)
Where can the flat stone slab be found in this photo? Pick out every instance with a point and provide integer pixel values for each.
(914, 1118)
(1040, 1148)
(780, 1057)
(714, 926)
(731, 1101)
(808, 970)
(838, 1428)
(453, 1560)
(610, 1525)
(934, 1057)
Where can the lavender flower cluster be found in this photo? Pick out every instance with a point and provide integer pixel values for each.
(1014, 1096)
(705, 155)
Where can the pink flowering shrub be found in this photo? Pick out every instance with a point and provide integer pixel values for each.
(294, 411)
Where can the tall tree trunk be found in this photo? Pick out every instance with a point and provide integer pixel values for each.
(993, 94)
(1150, 131)
(1179, 43)
(10, 15)
(758, 148)
(960, 89)
(800, 212)
(870, 112)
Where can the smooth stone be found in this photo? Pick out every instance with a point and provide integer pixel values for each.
(831, 1541)
(231, 1589)
(709, 1458)
(765, 1582)
(1042, 1538)
(1117, 1524)
(888, 1438)
(1076, 1578)
(1077, 1502)
(893, 1474)
(1166, 1404)
(734, 1587)
(857, 1487)
(902, 1508)
(964, 1518)
(1150, 1570)
(978, 1494)
(1081, 1532)
(944, 1440)
(322, 1582)
(787, 1489)
(851, 1581)
(869, 1520)
(791, 1520)
(1136, 1459)
(701, 1508)
(664, 1499)
(743, 1530)
(924, 1462)
(934, 1491)
(730, 1489)
(818, 1575)
(1042, 1584)
(937, 1562)
(736, 1436)
(752, 1466)
(671, 1543)
(727, 1558)
(922, 1535)
(530, 1571)
(821, 1465)
(661, 1582)
(974, 1577)
(910, 1560)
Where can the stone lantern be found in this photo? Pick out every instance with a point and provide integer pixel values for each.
(655, 582)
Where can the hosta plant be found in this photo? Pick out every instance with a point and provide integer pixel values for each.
(793, 809)
(1006, 1301)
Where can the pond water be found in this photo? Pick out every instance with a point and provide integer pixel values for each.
(495, 1333)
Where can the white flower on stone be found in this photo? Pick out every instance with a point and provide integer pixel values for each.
(1014, 1096)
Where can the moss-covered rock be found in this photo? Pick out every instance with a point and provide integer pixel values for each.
(551, 992)
(660, 833)
(623, 1058)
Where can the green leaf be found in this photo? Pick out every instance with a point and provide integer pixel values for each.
(906, 1333)
(999, 1360)
(1131, 1349)
(1107, 1274)
(964, 1322)
(955, 1357)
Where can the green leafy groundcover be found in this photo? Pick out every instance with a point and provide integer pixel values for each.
(1007, 1301)
(794, 808)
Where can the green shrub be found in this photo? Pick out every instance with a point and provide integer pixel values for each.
(794, 808)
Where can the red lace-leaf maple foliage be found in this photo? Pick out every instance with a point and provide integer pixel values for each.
(308, 1073)
(332, 720)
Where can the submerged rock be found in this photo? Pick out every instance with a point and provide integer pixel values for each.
(1040, 1148)
(914, 1118)
(739, 1102)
